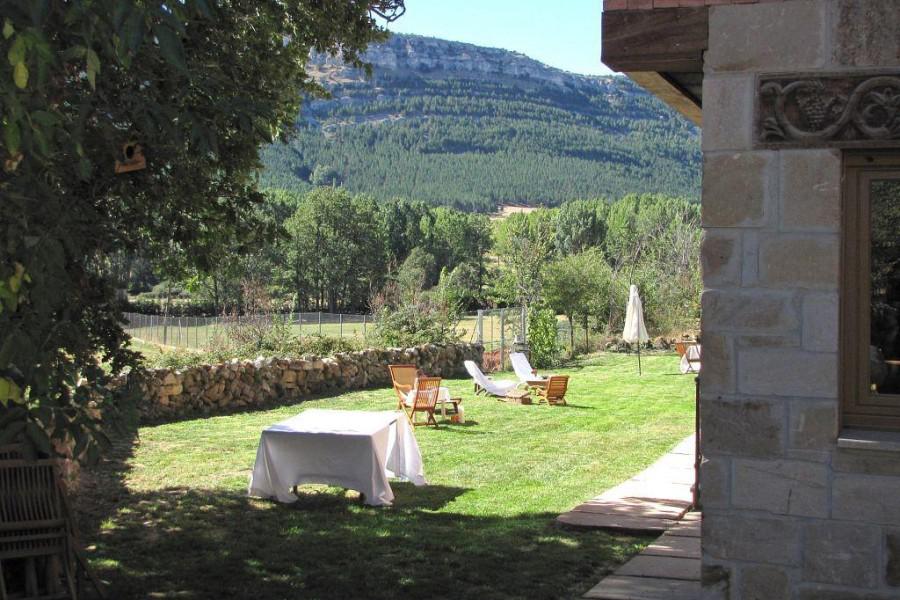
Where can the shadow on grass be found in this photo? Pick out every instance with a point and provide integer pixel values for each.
(215, 543)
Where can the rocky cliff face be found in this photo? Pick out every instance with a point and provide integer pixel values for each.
(419, 54)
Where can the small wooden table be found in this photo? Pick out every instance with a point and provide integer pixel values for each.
(538, 383)
(517, 397)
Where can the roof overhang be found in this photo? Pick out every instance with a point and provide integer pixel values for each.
(662, 50)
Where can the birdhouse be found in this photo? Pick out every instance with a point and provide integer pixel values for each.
(131, 159)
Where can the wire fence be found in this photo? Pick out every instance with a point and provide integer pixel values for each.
(201, 333)
(500, 330)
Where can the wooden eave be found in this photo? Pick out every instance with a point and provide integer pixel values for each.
(661, 50)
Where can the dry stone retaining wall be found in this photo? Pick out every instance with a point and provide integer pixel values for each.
(168, 395)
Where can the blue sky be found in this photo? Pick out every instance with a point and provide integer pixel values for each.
(563, 34)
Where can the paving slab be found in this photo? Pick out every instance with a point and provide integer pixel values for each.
(617, 587)
(685, 529)
(615, 522)
(662, 567)
(674, 545)
(651, 501)
(636, 507)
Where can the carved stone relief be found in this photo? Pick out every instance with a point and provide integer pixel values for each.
(815, 110)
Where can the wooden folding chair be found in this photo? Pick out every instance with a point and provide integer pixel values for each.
(424, 400)
(403, 378)
(554, 392)
(11, 452)
(34, 532)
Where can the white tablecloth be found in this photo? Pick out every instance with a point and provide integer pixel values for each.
(690, 361)
(357, 450)
(443, 399)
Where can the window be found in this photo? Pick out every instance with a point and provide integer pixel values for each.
(870, 292)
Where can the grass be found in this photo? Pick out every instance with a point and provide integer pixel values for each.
(169, 519)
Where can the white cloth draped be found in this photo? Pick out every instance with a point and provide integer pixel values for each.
(358, 450)
(690, 361)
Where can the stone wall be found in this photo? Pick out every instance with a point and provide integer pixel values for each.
(787, 513)
(168, 395)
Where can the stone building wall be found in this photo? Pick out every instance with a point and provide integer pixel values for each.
(170, 395)
(787, 514)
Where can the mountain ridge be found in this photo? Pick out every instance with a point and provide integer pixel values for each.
(454, 123)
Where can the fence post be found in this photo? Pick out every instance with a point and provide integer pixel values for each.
(341, 325)
(523, 324)
(320, 322)
(502, 339)
(479, 327)
(165, 331)
(364, 326)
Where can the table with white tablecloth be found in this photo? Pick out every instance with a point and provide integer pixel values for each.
(358, 450)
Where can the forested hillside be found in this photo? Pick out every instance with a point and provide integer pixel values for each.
(471, 127)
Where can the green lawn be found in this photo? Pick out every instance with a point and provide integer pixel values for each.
(169, 518)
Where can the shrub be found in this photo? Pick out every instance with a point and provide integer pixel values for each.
(542, 340)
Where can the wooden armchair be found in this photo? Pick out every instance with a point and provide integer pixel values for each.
(404, 379)
(555, 390)
(34, 532)
(424, 400)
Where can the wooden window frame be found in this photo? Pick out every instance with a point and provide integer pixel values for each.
(858, 408)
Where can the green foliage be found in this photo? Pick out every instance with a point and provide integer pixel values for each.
(335, 252)
(275, 342)
(542, 338)
(425, 321)
(200, 86)
(473, 142)
(524, 243)
(578, 285)
(412, 316)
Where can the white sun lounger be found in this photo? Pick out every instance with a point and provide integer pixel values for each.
(523, 368)
(485, 383)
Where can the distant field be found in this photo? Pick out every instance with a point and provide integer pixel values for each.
(200, 333)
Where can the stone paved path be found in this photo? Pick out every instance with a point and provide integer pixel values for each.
(655, 500)
(651, 501)
(667, 569)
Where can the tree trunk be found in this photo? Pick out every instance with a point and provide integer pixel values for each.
(587, 347)
(571, 337)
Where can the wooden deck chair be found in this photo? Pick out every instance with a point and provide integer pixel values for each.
(34, 532)
(404, 379)
(555, 390)
(423, 400)
(11, 452)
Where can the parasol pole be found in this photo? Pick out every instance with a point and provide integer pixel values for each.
(639, 358)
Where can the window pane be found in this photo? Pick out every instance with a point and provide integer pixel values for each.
(884, 203)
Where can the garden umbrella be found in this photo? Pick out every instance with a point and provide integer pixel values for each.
(635, 332)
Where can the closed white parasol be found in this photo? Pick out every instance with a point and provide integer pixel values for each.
(635, 332)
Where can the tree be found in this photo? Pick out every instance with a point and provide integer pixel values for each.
(325, 175)
(196, 87)
(524, 243)
(576, 285)
(335, 250)
(580, 224)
